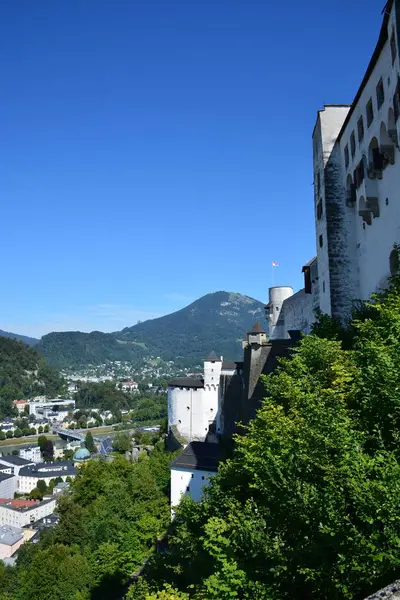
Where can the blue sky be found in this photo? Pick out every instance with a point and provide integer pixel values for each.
(152, 152)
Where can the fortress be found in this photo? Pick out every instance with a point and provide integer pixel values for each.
(356, 159)
(356, 163)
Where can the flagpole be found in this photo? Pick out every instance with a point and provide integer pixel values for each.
(272, 274)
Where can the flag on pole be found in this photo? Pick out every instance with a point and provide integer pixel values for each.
(275, 264)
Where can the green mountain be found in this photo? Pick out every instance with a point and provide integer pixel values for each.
(214, 322)
(22, 338)
(24, 373)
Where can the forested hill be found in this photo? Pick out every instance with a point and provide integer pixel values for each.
(216, 321)
(24, 373)
(21, 338)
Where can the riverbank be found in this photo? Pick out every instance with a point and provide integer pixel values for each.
(26, 440)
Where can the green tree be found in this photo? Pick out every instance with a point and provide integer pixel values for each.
(26, 431)
(46, 429)
(56, 573)
(9, 434)
(2, 435)
(48, 450)
(41, 486)
(40, 429)
(17, 433)
(42, 439)
(89, 442)
(122, 441)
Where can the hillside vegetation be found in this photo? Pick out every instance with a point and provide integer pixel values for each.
(24, 373)
(21, 338)
(216, 321)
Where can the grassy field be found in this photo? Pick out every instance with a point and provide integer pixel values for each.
(29, 439)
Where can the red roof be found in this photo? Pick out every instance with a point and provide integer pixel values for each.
(18, 503)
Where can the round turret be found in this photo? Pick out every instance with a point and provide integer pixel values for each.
(81, 455)
(275, 316)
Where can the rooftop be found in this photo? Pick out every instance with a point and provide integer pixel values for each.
(4, 476)
(15, 460)
(213, 357)
(49, 469)
(202, 456)
(186, 382)
(257, 328)
(10, 535)
(20, 505)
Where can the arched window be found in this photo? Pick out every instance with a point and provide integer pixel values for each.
(387, 147)
(375, 160)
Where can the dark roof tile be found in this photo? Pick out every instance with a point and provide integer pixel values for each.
(186, 382)
(257, 328)
(201, 456)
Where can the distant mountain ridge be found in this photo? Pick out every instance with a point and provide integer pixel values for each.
(21, 338)
(216, 321)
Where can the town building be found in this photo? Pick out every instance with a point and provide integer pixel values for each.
(11, 538)
(8, 485)
(43, 408)
(19, 513)
(15, 463)
(31, 453)
(356, 161)
(191, 471)
(128, 386)
(30, 475)
(20, 405)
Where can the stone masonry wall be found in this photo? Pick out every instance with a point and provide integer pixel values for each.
(343, 276)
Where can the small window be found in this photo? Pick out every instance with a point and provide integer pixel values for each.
(188, 408)
(192, 475)
(319, 209)
(321, 241)
(179, 421)
(277, 308)
(353, 144)
(393, 48)
(203, 477)
(211, 410)
(323, 286)
(346, 155)
(318, 182)
(188, 488)
(394, 262)
(360, 129)
(370, 112)
(380, 93)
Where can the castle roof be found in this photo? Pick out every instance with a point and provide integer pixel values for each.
(257, 328)
(310, 262)
(186, 382)
(201, 456)
(213, 357)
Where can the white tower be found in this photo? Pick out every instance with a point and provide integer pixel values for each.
(276, 318)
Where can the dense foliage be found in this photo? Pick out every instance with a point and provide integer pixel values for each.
(215, 321)
(107, 397)
(108, 527)
(309, 504)
(24, 373)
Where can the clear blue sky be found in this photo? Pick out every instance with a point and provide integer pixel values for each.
(153, 151)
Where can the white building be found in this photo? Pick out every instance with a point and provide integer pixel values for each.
(356, 163)
(11, 538)
(128, 386)
(31, 454)
(43, 407)
(15, 463)
(191, 471)
(20, 405)
(8, 485)
(30, 475)
(19, 513)
(193, 402)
